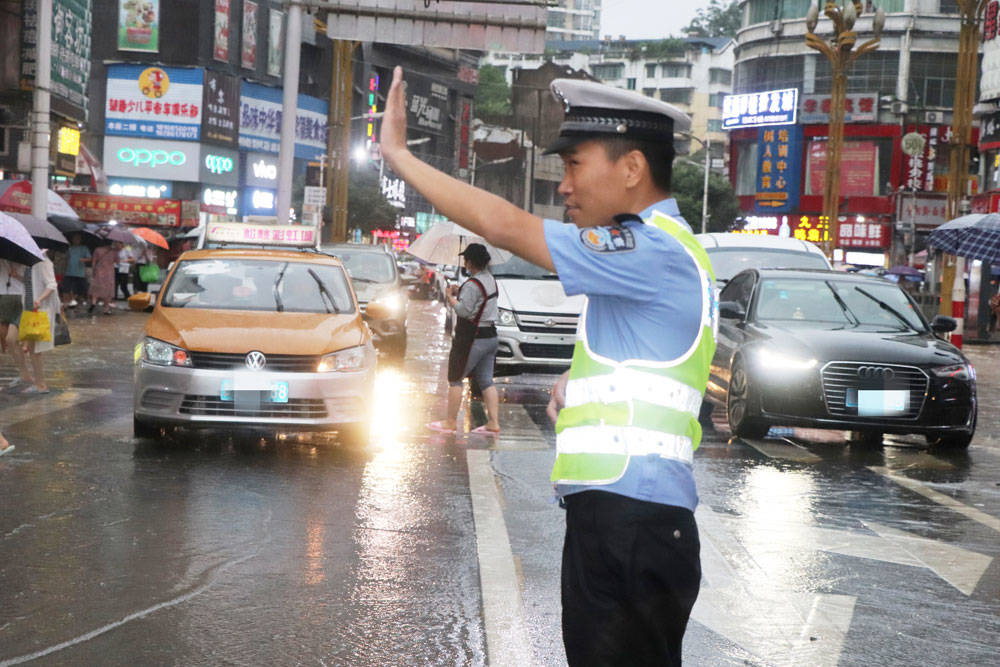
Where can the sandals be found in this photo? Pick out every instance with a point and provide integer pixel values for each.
(482, 430)
(6, 450)
(439, 427)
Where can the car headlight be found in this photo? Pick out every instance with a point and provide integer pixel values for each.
(157, 352)
(775, 361)
(506, 317)
(351, 359)
(963, 372)
(393, 301)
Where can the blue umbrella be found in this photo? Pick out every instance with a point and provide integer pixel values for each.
(974, 236)
(16, 243)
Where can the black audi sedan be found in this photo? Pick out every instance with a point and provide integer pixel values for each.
(825, 349)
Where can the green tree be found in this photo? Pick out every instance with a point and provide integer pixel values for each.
(721, 18)
(367, 208)
(687, 187)
(492, 92)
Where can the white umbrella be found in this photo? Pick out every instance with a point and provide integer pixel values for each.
(442, 242)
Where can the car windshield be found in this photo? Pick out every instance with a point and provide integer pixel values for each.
(727, 262)
(258, 284)
(837, 302)
(367, 266)
(518, 268)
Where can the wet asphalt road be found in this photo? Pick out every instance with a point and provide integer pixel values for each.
(429, 549)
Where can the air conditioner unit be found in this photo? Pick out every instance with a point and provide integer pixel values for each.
(934, 117)
(898, 107)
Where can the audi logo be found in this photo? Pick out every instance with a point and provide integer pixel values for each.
(151, 158)
(256, 360)
(876, 373)
(218, 164)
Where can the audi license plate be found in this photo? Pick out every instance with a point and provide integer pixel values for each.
(878, 402)
(272, 391)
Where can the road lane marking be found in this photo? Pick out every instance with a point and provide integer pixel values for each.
(783, 449)
(503, 613)
(49, 404)
(976, 515)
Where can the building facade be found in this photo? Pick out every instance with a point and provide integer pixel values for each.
(570, 20)
(889, 199)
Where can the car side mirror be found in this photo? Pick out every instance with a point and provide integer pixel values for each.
(378, 311)
(943, 324)
(731, 310)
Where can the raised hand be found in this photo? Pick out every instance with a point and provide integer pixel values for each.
(393, 134)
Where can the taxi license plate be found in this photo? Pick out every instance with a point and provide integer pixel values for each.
(878, 402)
(274, 392)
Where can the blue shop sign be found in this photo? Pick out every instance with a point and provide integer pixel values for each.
(779, 169)
(259, 201)
(260, 122)
(156, 102)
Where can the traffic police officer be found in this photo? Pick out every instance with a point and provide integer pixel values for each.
(627, 409)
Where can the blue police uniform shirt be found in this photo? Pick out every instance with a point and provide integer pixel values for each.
(643, 302)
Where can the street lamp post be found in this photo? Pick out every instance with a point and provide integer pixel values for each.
(840, 51)
(707, 146)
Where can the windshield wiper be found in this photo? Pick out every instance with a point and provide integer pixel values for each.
(843, 306)
(886, 307)
(359, 279)
(277, 297)
(325, 292)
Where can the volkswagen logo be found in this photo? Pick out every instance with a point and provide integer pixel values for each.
(256, 360)
(876, 373)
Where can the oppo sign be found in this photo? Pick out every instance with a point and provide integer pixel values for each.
(219, 164)
(138, 157)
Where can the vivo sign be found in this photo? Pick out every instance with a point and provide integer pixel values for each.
(219, 164)
(151, 158)
(265, 171)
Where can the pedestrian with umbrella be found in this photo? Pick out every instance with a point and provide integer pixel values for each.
(17, 251)
(75, 278)
(41, 294)
(102, 276)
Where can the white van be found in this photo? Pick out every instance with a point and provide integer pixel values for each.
(730, 253)
(536, 323)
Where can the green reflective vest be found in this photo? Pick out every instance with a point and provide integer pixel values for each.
(615, 410)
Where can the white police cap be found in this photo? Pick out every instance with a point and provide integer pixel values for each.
(595, 110)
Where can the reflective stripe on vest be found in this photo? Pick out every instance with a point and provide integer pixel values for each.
(638, 407)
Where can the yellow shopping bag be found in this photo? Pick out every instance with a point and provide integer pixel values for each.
(34, 326)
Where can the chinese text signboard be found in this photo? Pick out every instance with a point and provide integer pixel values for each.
(989, 83)
(223, 232)
(868, 234)
(920, 168)
(163, 103)
(774, 107)
(220, 108)
(858, 168)
(925, 211)
(131, 210)
(71, 21)
(858, 108)
(779, 165)
(274, 42)
(248, 53)
(260, 122)
(139, 25)
(812, 228)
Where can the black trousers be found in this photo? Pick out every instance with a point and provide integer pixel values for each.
(630, 575)
(121, 283)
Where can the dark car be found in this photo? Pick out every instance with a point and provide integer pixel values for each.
(825, 349)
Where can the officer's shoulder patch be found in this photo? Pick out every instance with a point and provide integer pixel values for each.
(608, 239)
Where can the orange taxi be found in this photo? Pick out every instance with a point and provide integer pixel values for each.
(255, 338)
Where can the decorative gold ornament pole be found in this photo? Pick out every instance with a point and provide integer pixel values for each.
(839, 50)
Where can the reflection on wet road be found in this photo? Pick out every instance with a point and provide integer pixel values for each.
(432, 549)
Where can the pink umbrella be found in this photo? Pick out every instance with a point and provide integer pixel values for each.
(16, 243)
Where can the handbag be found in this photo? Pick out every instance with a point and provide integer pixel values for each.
(149, 273)
(61, 335)
(34, 326)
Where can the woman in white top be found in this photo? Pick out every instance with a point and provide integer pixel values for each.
(11, 293)
(40, 293)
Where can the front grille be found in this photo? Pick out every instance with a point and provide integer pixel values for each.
(562, 323)
(543, 351)
(839, 376)
(155, 399)
(291, 363)
(212, 406)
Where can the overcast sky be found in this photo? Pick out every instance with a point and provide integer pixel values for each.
(647, 19)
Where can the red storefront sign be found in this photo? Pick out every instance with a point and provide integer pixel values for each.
(868, 234)
(132, 210)
(858, 168)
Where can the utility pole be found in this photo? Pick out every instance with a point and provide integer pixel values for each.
(290, 105)
(704, 192)
(41, 126)
(839, 50)
(339, 137)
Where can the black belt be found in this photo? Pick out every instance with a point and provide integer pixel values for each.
(487, 331)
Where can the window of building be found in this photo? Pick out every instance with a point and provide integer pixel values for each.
(715, 100)
(649, 92)
(949, 7)
(932, 80)
(609, 71)
(630, 83)
(676, 95)
(723, 76)
(772, 73)
(554, 20)
(546, 193)
(4, 149)
(651, 71)
(746, 168)
(874, 72)
(676, 70)
(715, 125)
(764, 11)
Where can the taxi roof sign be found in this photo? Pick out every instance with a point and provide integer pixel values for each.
(297, 236)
